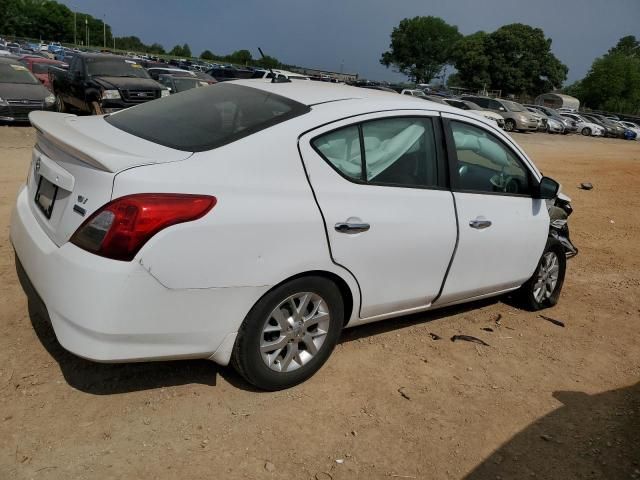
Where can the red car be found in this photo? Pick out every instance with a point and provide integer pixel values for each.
(39, 66)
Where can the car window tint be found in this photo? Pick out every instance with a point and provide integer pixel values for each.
(206, 118)
(341, 149)
(400, 151)
(485, 164)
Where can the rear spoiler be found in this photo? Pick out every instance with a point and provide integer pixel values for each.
(82, 137)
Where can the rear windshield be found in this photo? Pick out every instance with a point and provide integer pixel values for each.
(115, 67)
(206, 118)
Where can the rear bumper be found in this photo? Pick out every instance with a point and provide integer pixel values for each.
(111, 311)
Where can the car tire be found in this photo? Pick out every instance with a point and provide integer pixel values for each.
(289, 333)
(543, 289)
(96, 108)
(61, 107)
(509, 125)
(586, 131)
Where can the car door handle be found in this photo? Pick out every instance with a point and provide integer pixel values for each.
(480, 223)
(351, 228)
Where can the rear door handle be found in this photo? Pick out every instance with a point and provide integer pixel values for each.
(480, 223)
(351, 228)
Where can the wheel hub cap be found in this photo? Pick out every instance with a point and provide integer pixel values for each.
(294, 332)
(547, 278)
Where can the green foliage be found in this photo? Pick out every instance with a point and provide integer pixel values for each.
(613, 82)
(420, 47)
(268, 62)
(515, 58)
(186, 51)
(207, 55)
(242, 57)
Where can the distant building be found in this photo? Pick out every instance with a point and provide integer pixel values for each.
(558, 100)
(325, 74)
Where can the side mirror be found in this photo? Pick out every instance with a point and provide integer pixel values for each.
(547, 189)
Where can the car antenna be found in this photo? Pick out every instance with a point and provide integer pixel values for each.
(274, 78)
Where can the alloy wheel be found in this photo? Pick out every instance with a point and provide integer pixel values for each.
(294, 332)
(547, 278)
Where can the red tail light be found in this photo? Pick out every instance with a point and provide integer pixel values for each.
(120, 228)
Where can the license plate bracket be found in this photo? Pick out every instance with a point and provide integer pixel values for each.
(46, 196)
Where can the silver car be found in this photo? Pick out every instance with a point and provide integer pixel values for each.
(516, 117)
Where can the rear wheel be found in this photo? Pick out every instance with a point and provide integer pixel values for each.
(289, 334)
(543, 289)
(586, 131)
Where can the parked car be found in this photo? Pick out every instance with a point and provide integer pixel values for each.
(155, 72)
(20, 92)
(40, 68)
(634, 127)
(225, 74)
(586, 127)
(179, 83)
(611, 129)
(543, 120)
(414, 92)
(516, 117)
(555, 126)
(98, 83)
(221, 262)
(205, 77)
(477, 109)
(569, 125)
(278, 73)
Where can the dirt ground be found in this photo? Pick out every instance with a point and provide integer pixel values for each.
(542, 401)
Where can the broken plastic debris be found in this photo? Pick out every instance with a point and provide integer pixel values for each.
(586, 186)
(552, 320)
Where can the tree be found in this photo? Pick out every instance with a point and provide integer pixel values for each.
(207, 55)
(177, 51)
(627, 45)
(472, 60)
(515, 58)
(186, 51)
(420, 47)
(241, 57)
(156, 48)
(268, 62)
(613, 82)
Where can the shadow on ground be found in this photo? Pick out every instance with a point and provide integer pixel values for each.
(589, 437)
(107, 379)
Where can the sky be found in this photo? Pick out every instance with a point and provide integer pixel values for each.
(350, 35)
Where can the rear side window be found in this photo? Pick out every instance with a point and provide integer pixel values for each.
(397, 152)
(206, 118)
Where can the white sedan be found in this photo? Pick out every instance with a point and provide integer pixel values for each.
(251, 221)
(585, 127)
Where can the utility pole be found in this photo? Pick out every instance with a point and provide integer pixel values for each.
(104, 31)
(75, 24)
(86, 27)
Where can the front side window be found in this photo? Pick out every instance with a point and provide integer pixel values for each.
(397, 152)
(485, 164)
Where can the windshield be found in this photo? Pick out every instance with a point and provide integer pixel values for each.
(185, 83)
(115, 67)
(12, 73)
(206, 118)
(513, 106)
(458, 104)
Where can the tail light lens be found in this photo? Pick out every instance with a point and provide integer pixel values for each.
(119, 229)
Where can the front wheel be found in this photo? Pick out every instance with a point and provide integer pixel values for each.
(509, 125)
(96, 108)
(60, 105)
(543, 289)
(586, 131)
(289, 334)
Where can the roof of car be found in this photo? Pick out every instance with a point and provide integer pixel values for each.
(315, 93)
(11, 60)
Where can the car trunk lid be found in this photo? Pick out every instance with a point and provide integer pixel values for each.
(74, 163)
